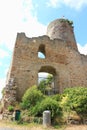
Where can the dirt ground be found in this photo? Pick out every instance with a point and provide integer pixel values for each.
(12, 126)
(76, 127)
(39, 128)
(6, 126)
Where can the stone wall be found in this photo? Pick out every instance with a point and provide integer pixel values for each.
(9, 94)
(62, 29)
(62, 59)
(65, 63)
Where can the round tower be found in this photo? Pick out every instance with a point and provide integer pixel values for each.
(62, 29)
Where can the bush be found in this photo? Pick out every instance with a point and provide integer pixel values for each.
(42, 86)
(47, 104)
(31, 97)
(75, 99)
(57, 97)
(72, 99)
(36, 103)
(10, 108)
(68, 21)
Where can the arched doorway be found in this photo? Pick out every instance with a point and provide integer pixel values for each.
(47, 80)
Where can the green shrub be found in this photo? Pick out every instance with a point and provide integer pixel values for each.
(57, 97)
(31, 97)
(47, 104)
(68, 21)
(10, 108)
(75, 99)
(36, 103)
(42, 86)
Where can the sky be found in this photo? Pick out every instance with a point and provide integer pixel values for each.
(32, 18)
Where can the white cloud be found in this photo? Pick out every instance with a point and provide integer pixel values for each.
(18, 17)
(82, 49)
(53, 3)
(42, 74)
(30, 23)
(76, 4)
(3, 53)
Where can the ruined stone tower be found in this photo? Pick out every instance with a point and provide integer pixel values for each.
(62, 29)
(62, 59)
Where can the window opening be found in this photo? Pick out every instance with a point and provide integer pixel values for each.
(41, 52)
(41, 55)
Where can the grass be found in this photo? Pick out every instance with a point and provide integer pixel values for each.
(25, 126)
(33, 126)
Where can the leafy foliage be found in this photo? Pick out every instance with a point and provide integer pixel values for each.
(57, 97)
(47, 104)
(42, 86)
(10, 108)
(75, 99)
(31, 97)
(36, 103)
(45, 84)
(68, 21)
(72, 99)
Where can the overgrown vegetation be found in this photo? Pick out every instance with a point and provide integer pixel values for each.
(47, 104)
(10, 108)
(68, 21)
(35, 102)
(31, 97)
(75, 99)
(45, 84)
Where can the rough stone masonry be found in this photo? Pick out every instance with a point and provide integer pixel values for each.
(62, 60)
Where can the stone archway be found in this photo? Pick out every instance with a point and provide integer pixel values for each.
(51, 70)
(48, 69)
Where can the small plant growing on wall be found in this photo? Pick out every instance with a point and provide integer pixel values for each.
(68, 21)
(10, 108)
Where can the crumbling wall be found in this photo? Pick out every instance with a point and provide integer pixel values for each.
(64, 62)
(62, 59)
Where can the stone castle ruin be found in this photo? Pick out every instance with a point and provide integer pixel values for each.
(62, 60)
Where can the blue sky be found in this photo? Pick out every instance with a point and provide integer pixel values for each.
(32, 17)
